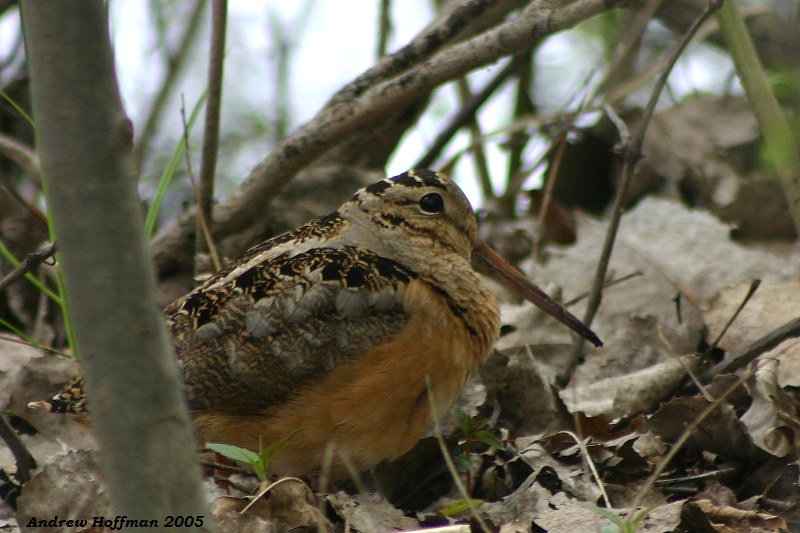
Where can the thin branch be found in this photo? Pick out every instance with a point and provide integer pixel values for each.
(749, 353)
(384, 28)
(208, 165)
(203, 235)
(280, 60)
(21, 154)
(420, 48)
(547, 197)
(342, 117)
(667, 459)
(750, 292)
(451, 466)
(138, 412)
(25, 461)
(467, 113)
(478, 153)
(174, 67)
(626, 53)
(632, 153)
(33, 260)
(25, 157)
(518, 140)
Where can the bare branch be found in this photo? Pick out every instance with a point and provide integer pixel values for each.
(467, 112)
(343, 116)
(25, 461)
(633, 152)
(22, 154)
(208, 166)
(384, 27)
(749, 353)
(28, 265)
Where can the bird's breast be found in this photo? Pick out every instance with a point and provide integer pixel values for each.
(378, 404)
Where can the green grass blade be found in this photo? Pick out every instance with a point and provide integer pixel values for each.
(169, 171)
(18, 108)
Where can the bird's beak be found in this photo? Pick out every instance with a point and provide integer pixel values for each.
(516, 281)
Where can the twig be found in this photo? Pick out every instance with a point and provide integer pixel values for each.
(384, 27)
(208, 165)
(25, 461)
(665, 461)
(589, 462)
(479, 155)
(750, 352)
(49, 350)
(224, 467)
(174, 65)
(272, 486)
(421, 47)
(608, 284)
(626, 55)
(437, 430)
(517, 141)
(695, 477)
(632, 153)
(28, 264)
(25, 157)
(22, 154)
(203, 231)
(750, 292)
(353, 110)
(547, 197)
(467, 113)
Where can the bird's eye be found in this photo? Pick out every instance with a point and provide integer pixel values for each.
(431, 203)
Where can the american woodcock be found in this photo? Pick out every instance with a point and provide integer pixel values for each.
(356, 328)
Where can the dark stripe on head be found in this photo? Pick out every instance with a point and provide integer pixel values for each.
(377, 188)
(419, 178)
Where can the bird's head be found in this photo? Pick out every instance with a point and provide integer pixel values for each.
(423, 220)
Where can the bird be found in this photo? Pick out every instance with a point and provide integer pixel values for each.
(350, 333)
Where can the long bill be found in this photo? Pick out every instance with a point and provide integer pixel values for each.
(516, 281)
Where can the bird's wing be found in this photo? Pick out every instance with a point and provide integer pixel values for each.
(250, 338)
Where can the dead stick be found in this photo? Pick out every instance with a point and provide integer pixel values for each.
(25, 461)
(632, 152)
(750, 352)
(33, 260)
(208, 166)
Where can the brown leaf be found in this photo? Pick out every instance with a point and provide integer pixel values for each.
(721, 433)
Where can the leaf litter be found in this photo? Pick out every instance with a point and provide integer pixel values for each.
(573, 458)
(628, 403)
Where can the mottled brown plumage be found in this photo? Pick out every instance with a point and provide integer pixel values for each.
(349, 327)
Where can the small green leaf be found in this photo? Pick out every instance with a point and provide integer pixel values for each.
(488, 438)
(234, 452)
(460, 507)
(463, 462)
(618, 523)
(463, 421)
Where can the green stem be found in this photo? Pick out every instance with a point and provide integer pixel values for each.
(779, 142)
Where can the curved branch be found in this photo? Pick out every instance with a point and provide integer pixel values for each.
(22, 154)
(341, 118)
